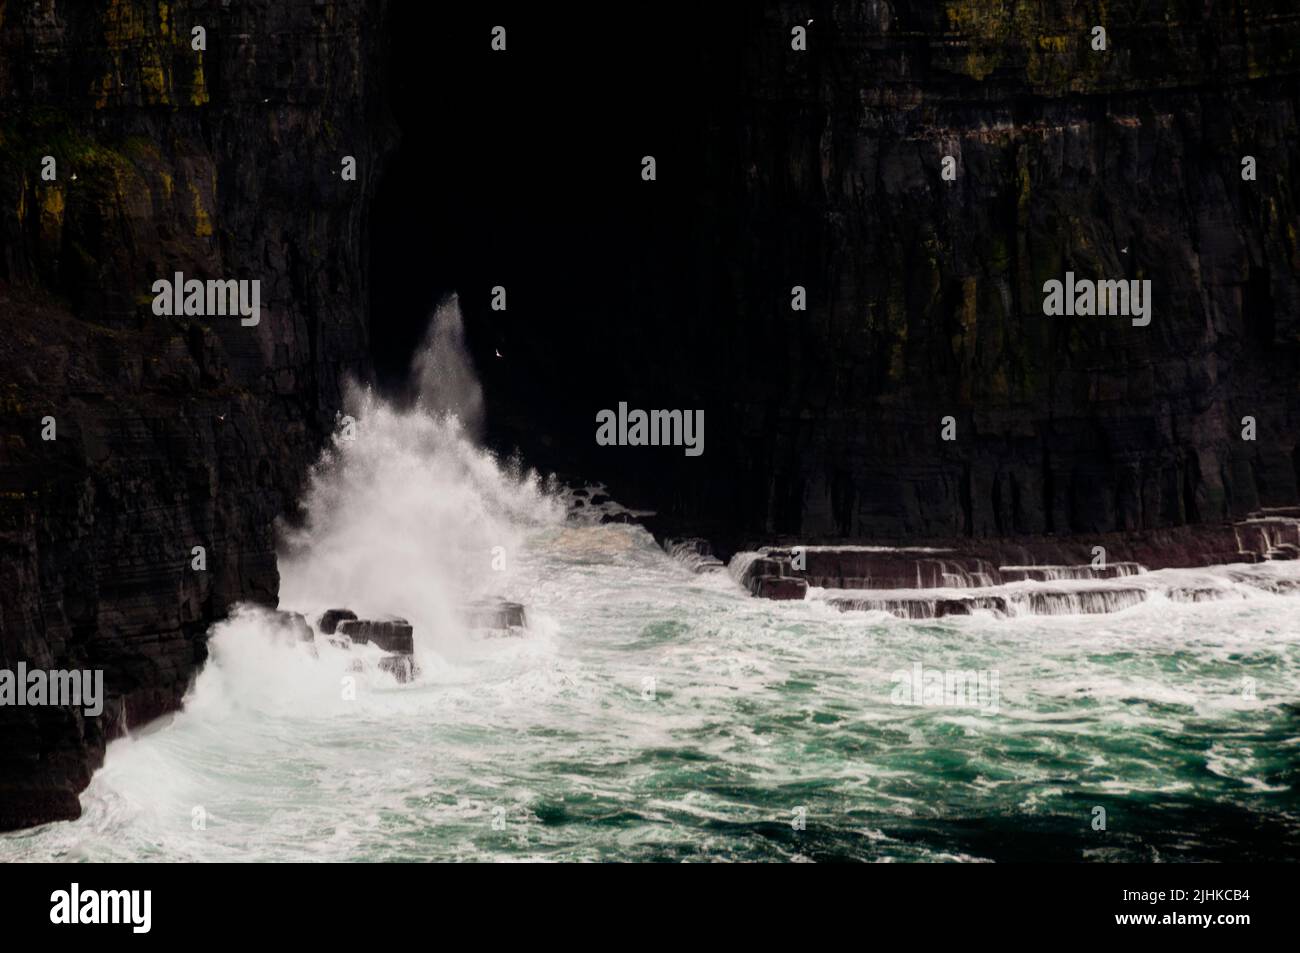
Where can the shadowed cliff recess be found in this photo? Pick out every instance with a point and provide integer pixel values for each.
(522, 170)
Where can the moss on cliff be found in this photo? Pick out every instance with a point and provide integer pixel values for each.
(202, 220)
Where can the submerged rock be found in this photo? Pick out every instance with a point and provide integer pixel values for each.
(497, 616)
(294, 624)
(1202, 594)
(780, 587)
(401, 667)
(1280, 585)
(919, 606)
(1076, 601)
(1020, 602)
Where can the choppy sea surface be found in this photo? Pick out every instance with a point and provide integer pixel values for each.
(655, 713)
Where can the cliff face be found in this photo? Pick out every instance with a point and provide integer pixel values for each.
(822, 169)
(170, 432)
(926, 296)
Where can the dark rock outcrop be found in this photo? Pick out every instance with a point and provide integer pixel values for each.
(391, 635)
(330, 619)
(965, 563)
(171, 433)
(394, 635)
(695, 551)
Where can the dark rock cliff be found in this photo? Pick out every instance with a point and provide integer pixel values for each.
(822, 169)
(171, 432)
(926, 296)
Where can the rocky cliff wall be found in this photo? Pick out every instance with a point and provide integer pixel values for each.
(926, 295)
(170, 432)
